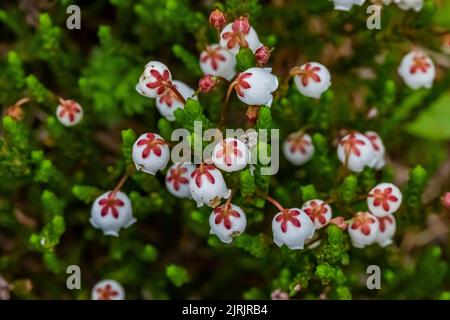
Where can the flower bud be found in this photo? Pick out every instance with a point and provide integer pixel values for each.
(217, 19)
(298, 148)
(355, 151)
(262, 55)
(241, 25)
(207, 83)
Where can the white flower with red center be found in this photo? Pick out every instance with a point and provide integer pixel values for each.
(218, 61)
(208, 186)
(168, 101)
(150, 153)
(416, 5)
(227, 221)
(177, 179)
(298, 148)
(154, 80)
(292, 228)
(378, 148)
(239, 34)
(384, 199)
(363, 230)
(108, 290)
(230, 155)
(69, 112)
(111, 212)
(346, 5)
(417, 70)
(319, 211)
(386, 230)
(255, 86)
(314, 80)
(355, 151)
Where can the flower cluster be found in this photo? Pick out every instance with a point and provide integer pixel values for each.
(206, 183)
(378, 225)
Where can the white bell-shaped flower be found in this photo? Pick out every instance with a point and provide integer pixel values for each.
(230, 155)
(218, 61)
(386, 230)
(378, 149)
(255, 86)
(319, 211)
(346, 5)
(355, 151)
(363, 230)
(108, 290)
(208, 186)
(315, 80)
(150, 153)
(298, 148)
(417, 70)
(111, 212)
(168, 101)
(153, 81)
(384, 199)
(177, 179)
(292, 228)
(227, 221)
(69, 112)
(233, 38)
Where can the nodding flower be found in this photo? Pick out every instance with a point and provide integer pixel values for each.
(417, 70)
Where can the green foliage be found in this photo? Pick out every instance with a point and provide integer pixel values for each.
(245, 59)
(50, 174)
(433, 122)
(177, 275)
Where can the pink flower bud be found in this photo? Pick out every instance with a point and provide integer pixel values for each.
(262, 55)
(217, 19)
(446, 200)
(340, 222)
(207, 83)
(241, 25)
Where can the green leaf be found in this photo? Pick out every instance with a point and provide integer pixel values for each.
(192, 108)
(245, 59)
(308, 192)
(128, 139)
(87, 194)
(264, 118)
(247, 183)
(177, 275)
(433, 123)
